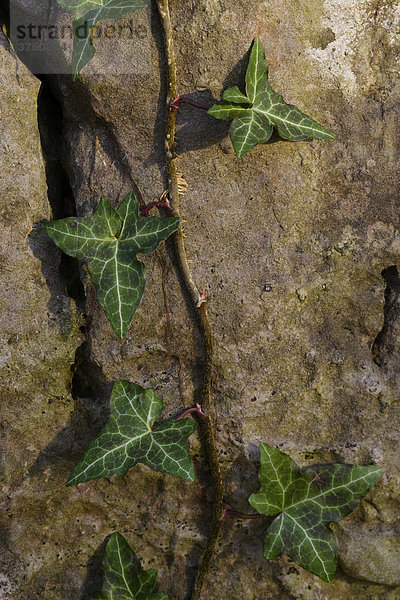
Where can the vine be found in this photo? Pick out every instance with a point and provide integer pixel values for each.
(198, 301)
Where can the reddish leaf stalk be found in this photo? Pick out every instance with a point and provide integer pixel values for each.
(159, 203)
(178, 101)
(195, 410)
(228, 512)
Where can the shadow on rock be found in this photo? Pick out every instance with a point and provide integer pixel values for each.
(95, 573)
(195, 128)
(85, 422)
(59, 304)
(193, 559)
(67, 447)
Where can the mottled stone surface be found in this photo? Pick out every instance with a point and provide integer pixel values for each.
(39, 334)
(290, 243)
(370, 551)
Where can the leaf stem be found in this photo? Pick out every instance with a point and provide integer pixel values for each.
(228, 512)
(195, 410)
(198, 302)
(159, 203)
(178, 101)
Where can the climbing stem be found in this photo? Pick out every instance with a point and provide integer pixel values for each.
(206, 424)
(208, 432)
(228, 512)
(172, 172)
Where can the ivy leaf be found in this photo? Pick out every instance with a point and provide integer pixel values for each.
(78, 8)
(261, 109)
(87, 14)
(124, 578)
(109, 241)
(130, 438)
(83, 27)
(307, 500)
(233, 94)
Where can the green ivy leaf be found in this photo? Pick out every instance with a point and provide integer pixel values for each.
(84, 49)
(261, 109)
(307, 500)
(78, 8)
(124, 578)
(87, 14)
(109, 242)
(130, 438)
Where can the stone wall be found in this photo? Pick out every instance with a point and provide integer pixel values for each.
(297, 245)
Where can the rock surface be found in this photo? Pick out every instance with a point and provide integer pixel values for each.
(39, 334)
(297, 245)
(370, 551)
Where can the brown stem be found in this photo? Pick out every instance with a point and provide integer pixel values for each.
(199, 304)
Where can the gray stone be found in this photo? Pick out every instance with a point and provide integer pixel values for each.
(311, 365)
(370, 551)
(39, 334)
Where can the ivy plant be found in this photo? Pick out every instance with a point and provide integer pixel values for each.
(109, 242)
(130, 437)
(260, 109)
(305, 501)
(124, 578)
(87, 13)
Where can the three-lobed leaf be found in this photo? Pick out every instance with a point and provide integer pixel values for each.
(130, 438)
(109, 242)
(87, 13)
(83, 27)
(306, 501)
(257, 112)
(124, 578)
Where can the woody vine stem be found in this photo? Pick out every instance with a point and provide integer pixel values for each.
(206, 423)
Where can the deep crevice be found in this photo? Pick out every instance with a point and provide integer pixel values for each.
(60, 195)
(63, 277)
(386, 347)
(88, 384)
(5, 15)
(88, 380)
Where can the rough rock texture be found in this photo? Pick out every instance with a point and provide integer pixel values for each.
(39, 334)
(297, 245)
